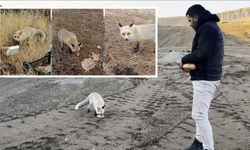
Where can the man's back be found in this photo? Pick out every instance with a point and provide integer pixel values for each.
(207, 50)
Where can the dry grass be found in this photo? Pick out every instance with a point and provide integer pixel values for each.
(29, 50)
(238, 27)
(175, 31)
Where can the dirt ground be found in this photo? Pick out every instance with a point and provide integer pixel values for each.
(121, 51)
(140, 113)
(88, 26)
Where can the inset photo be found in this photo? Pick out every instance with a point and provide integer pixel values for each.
(130, 42)
(25, 42)
(1, 63)
(78, 37)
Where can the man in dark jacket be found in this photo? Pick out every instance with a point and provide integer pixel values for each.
(207, 54)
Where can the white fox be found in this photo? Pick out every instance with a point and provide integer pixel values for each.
(96, 101)
(138, 33)
(69, 38)
(28, 33)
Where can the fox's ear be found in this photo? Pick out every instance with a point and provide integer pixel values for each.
(120, 25)
(80, 44)
(73, 45)
(132, 24)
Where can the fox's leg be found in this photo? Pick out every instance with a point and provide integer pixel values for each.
(88, 107)
(70, 51)
(26, 42)
(61, 45)
(138, 47)
(29, 41)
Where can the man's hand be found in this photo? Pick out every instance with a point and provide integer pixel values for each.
(179, 63)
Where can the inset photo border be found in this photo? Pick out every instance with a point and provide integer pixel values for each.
(83, 42)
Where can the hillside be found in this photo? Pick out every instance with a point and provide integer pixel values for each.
(235, 14)
(235, 24)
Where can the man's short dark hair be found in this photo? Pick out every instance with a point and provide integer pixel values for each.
(196, 10)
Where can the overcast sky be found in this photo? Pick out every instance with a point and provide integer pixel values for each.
(179, 8)
(165, 8)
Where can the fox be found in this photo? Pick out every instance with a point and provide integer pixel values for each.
(96, 101)
(137, 33)
(69, 38)
(28, 33)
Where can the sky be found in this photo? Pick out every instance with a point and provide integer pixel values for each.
(165, 8)
(179, 8)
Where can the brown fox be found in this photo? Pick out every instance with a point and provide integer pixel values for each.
(69, 38)
(28, 33)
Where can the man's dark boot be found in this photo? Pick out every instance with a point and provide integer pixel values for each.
(196, 145)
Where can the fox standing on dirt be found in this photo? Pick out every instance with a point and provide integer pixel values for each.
(69, 38)
(97, 101)
(138, 33)
(28, 33)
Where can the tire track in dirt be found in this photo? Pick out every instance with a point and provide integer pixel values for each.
(125, 111)
(228, 115)
(167, 110)
(119, 111)
(153, 114)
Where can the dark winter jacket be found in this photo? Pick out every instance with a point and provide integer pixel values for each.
(207, 49)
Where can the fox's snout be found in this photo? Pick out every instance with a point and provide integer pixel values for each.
(78, 53)
(76, 48)
(127, 35)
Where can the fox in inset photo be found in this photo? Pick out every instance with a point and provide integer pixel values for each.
(138, 33)
(28, 33)
(96, 101)
(69, 38)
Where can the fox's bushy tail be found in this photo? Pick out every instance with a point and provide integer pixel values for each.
(82, 103)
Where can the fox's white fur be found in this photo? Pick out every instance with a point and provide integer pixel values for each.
(69, 38)
(28, 33)
(138, 33)
(95, 100)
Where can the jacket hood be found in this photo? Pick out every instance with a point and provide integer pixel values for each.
(207, 17)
